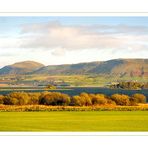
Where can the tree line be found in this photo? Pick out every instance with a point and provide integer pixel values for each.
(130, 85)
(61, 99)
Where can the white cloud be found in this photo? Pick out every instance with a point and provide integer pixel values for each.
(58, 51)
(54, 35)
(74, 43)
(8, 42)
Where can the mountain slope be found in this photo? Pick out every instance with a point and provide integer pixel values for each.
(21, 68)
(120, 67)
(117, 67)
(81, 68)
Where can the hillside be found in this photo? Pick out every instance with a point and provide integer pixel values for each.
(81, 68)
(20, 68)
(119, 67)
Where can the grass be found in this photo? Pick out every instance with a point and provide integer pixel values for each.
(74, 121)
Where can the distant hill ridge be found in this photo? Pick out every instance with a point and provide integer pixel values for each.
(119, 67)
(21, 67)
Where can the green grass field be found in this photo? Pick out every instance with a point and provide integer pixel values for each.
(74, 121)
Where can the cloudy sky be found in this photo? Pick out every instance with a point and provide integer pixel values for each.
(62, 40)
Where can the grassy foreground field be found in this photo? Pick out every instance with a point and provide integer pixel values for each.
(74, 121)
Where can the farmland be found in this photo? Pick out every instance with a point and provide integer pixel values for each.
(91, 80)
(74, 121)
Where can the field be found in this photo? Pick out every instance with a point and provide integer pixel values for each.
(91, 80)
(85, 80)
(74, 121)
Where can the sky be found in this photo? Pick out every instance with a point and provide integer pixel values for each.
(57, 40)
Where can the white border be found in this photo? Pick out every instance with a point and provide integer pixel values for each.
(78, 14)
(73, 5)
(73, 14)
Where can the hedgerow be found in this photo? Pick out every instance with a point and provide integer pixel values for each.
(61, 99)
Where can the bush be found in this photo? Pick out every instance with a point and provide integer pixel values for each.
(98, 99)
(1, 99)
(47, 100)
(111, 102)
(139, 98)
(86, 99)
(57, 98)
(14, 101)
(133, 101)
(54, 98)
(63, 99)
(34, 98)
(121, 99)
(77, 101)
(17, 98)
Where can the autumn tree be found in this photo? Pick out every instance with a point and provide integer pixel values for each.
(139, 98)
(121, 99)
(1, 99)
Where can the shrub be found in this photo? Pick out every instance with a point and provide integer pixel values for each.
(34, 98)
(86, 99)
(77, 101)
(54, 98)
(42, 96)
(139, 98)
(121, 99)
(14, 101)
(1, 99)
(133, 101)
(62, 99)
(17, 98)
(109, 101)
(98, 99)
(47, 100)
(57, 98)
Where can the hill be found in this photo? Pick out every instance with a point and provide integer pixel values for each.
(118, 67)
(20, 68)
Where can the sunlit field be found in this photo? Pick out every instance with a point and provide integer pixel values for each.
(74, 121)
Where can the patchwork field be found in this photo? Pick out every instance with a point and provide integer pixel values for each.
(85, 80)
(74, 121)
